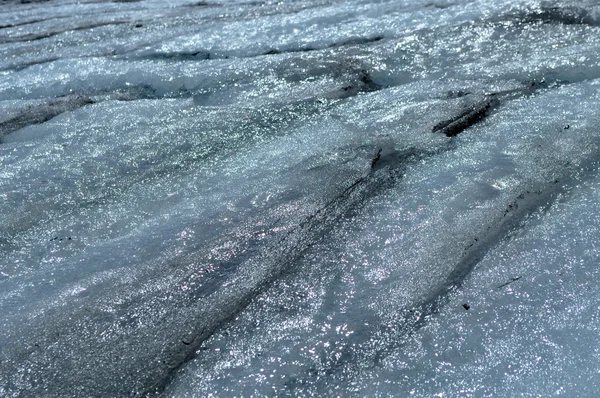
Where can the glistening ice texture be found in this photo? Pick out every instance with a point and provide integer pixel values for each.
(299, 198)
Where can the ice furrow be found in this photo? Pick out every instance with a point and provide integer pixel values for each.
(42, 113)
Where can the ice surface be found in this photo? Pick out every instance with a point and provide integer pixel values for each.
(299, 198)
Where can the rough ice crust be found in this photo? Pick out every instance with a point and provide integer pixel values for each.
(304, 198)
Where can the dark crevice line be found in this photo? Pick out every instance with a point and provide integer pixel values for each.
(33, 1)
(17, 24)
(24, 65)
(480, 110)
(25, 38)
(42, 113)
(439, 6)
(19, 66)
(466, 118)
(38, 114)
(181, 56)
(358, 81)
(351, 42)
(545, 15)
(557, 15)
(200, 55)
(509, 282)
(40, 36)
(121, 54)
(203, 4)
(34, 21)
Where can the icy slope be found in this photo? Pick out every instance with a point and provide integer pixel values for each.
(297, 198)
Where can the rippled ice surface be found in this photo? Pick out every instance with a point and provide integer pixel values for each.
(299, 198)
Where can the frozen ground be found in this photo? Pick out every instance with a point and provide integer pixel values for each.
(299, 198)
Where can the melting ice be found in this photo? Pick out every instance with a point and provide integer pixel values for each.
(299, 198)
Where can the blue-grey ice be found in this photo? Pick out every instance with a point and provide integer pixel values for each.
(304, 198)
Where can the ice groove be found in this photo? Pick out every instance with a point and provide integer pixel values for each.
(43, 113)
(33, 36)
(367, 352)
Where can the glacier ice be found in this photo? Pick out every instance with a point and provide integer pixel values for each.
(299, 198)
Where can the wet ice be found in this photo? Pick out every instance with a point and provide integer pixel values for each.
(297, 198)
